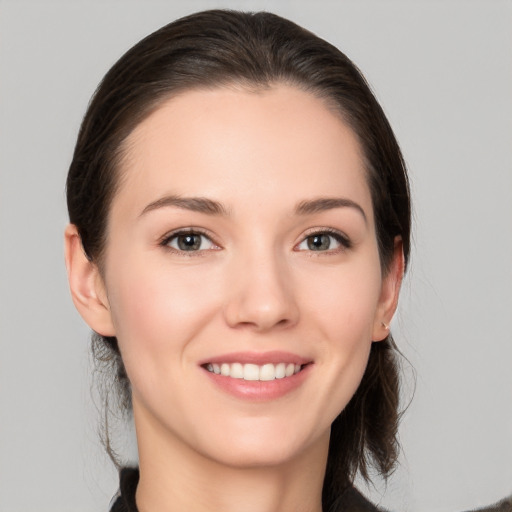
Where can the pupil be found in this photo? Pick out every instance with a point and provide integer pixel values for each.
(319, 242)
(189, 242)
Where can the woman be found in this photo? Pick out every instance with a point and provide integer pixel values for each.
(239, 229)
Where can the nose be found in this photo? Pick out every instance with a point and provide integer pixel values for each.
(262, 295)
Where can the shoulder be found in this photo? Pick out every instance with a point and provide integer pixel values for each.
(504, 505)
(352, 500)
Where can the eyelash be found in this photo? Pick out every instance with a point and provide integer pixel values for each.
(339, 237)
(169, 237)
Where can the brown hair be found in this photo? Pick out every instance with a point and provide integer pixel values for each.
(215, 48)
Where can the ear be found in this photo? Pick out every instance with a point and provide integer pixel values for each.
(390, 291)
(86, 285)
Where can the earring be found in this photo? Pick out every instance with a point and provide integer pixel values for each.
(385, 325)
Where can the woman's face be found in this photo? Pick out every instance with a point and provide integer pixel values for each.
(242, 241)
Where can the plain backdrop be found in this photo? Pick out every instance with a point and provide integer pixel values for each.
(443, 73)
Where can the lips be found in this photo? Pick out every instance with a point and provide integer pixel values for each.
(257, 376)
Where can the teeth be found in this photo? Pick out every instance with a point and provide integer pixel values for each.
(267, 372)
(237, 371)
(224, 369)
(253, 372)
(280, 370)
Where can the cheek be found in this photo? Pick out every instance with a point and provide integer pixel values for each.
(342, 308)
(156, 312)
(345, 301)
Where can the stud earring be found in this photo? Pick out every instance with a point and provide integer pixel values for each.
(385, 325)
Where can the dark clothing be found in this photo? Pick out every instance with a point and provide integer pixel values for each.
(351, 501)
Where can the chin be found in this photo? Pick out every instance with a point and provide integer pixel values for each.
(257, 448)
(252, 458)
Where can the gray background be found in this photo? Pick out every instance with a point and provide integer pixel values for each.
(443, 72)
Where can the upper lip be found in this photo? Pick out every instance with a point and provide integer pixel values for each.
(259, 358)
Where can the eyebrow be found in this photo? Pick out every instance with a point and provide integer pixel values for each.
(211, 207)
(327, 203)
(195, 204)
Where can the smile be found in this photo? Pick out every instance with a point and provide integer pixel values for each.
(254, 372)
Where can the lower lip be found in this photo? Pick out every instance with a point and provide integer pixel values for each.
(258, 390)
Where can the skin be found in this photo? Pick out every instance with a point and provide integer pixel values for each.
(254, 285)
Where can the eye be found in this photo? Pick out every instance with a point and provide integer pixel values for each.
(324, 241)
(189, 241)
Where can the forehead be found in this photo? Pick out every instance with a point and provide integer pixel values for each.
(277, 143)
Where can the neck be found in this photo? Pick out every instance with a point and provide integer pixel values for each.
(174, 477)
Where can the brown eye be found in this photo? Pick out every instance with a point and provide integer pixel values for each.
(189, 242)
(320, 242)
(324, 241)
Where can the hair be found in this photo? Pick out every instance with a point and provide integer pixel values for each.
(219, 48)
